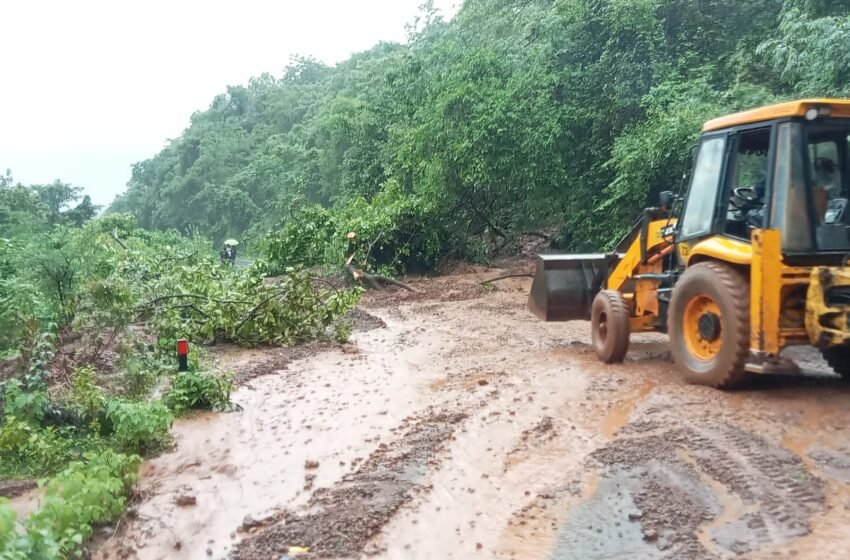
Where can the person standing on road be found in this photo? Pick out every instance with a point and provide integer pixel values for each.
(228, 253)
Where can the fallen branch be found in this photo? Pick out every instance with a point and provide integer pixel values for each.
(505, 277)
(177, 258)
(253, 312)
(118, 239)
(371, 245)
(160, 299)
(375, 280)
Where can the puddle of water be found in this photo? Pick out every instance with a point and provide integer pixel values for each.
(589, 533)
(27, 503)
(333, 408)
(532, 535)
(620, 414)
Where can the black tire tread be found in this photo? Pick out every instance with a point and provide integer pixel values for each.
(619, 327)
(737, 287)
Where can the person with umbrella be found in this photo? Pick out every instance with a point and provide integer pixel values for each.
(228, 253)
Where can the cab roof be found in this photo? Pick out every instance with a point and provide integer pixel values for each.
(838, 107)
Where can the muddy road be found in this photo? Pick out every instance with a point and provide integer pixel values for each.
(457, 426)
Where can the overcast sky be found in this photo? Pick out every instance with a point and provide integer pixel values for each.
(89, 87)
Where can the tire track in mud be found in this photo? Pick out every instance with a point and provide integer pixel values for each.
(681, 485)
(341, 521)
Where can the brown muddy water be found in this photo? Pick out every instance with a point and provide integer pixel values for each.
(464, 428)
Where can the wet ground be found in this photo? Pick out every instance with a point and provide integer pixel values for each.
(457, 426)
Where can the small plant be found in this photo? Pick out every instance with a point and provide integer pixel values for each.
(143, 369)
(138, 427)
(195, 390)
(84, 495)
(342, 332)
(85, 397)
(28, 450)
(12, 545)
(28, 406)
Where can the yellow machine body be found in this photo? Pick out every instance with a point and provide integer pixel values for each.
(807, 302)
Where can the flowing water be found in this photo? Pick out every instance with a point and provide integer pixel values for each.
(467, 429)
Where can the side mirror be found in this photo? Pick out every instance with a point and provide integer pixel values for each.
(665, 200)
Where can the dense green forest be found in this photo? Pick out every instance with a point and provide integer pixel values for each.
(517, 116)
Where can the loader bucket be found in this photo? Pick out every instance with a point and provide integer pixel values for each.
(565, 285)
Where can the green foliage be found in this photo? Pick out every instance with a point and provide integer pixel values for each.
(395, 233)
(24, 313)
(138, 427)
(302, 240)
(10, 549)
(207, 302)
(28, 406)
(37, 208)
(193, 390)
(84, 396)
(342, 332)
(28, 450)
(514, 116)
(811, 55)
(84, 495)
(143, 369)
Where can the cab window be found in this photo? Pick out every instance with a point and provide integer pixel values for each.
(747, 183)
(826, 177)
(699, 210)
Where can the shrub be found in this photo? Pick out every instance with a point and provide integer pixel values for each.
(301, 241)
(12, 545)
(396, 233)
(29, 450)
(28, 406)
(138, 427)
(82, 496)
(194, 390)
(142, 369)
(342, 332)
(84, 396)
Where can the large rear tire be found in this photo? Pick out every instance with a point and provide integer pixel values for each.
(838, 359)
(709, 325)
(609, 320)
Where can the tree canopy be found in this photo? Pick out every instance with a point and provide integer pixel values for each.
(515, 116)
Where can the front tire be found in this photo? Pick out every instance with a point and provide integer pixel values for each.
(609, 320)
(709, 325)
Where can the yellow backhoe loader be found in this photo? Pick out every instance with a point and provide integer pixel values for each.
(752, 260)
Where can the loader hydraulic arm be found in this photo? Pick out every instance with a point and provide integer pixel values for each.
(643, 260)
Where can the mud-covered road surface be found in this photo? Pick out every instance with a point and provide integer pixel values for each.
(455, 425)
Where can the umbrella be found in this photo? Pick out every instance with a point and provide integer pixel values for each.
(232, 242)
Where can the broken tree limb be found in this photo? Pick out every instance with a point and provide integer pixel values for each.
(177, 258)
(118, 239)
(371, 245)
(505, 277)
(375, 280)
(170, 297)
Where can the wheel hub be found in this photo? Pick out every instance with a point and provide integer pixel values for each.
(702, 328)
(709, 327)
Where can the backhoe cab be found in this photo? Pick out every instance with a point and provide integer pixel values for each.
(753, 259)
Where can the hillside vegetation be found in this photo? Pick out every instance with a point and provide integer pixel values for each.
(90, 314)
(517, 116)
